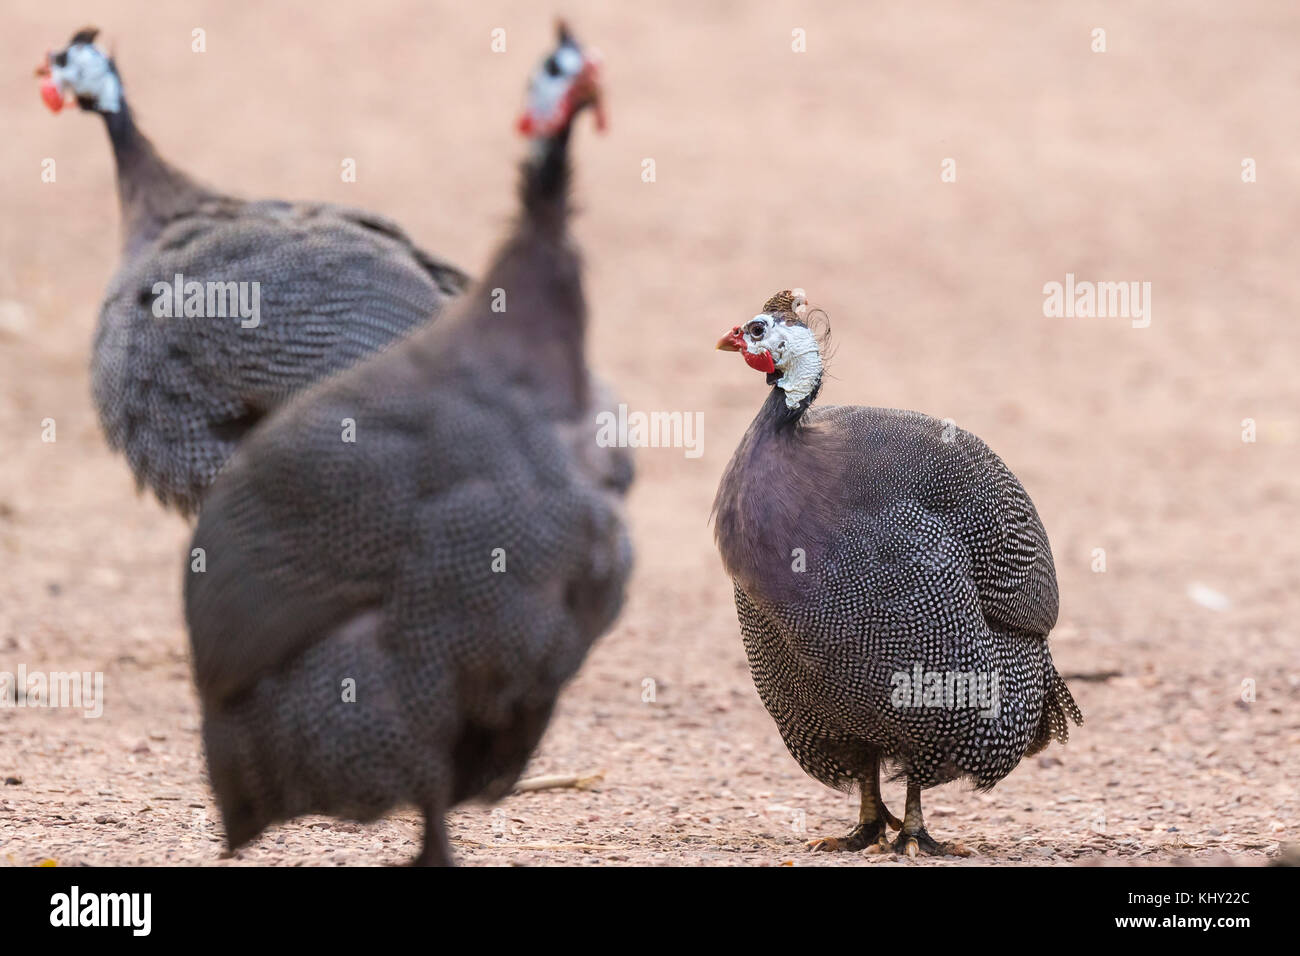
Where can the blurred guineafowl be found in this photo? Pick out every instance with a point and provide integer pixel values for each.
(894, 585)
(388, 620)
(222, 308)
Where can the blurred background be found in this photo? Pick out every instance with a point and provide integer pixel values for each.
(772, 168)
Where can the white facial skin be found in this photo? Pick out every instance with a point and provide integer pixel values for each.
(794, 353)
(546, 90)
(88, 74)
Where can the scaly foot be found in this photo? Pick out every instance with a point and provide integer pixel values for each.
(913, 844)
(860, 837)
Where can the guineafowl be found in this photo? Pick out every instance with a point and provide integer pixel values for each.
(222, 308)
(894, 585)
(401, 566)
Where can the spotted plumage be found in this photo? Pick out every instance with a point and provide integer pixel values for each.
(895, 590)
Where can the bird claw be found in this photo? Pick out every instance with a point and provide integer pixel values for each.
(880, 847)
(824, 845)
(861, 837)
(913, 845)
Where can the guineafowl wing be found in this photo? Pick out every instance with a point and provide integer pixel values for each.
(287, 295)
(952, 474)
(298, 535)
(1017, 578)
(448, 278)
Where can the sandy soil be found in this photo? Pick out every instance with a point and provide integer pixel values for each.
(773, 168)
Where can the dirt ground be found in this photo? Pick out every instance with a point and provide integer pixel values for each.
(772, 168)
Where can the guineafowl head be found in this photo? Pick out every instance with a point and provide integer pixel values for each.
(780, 341)
(83, 71)
(566, 83)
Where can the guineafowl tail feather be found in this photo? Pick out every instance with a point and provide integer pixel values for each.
(232, 770)
(331, 732)
(1059, 709)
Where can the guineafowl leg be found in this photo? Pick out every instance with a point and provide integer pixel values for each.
(914, 839)
(873, 818)
(437, 851)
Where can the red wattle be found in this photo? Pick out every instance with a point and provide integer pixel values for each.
(525, 124)
(762, 361)
(51, 95)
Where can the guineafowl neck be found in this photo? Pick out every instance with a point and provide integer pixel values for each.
(778, 494)
(530, 324)
(150, 190)
(544, 184)
(777, 414)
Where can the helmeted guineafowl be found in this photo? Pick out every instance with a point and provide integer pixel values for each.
(222, 308)
(388, 620)
(894, 585)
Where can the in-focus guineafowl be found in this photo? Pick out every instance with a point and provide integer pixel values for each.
(406, 562)
(222, 308)
(894, 585)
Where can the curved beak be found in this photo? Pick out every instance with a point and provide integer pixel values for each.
(51, 92)
(733, 341)
(590, 79)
